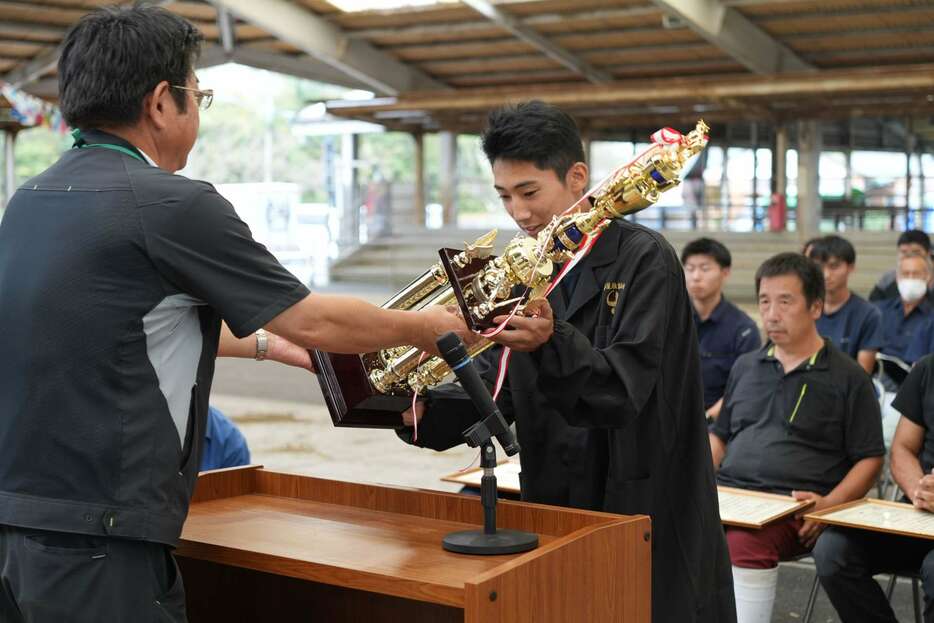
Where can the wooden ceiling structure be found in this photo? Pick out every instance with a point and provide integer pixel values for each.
(612, 63)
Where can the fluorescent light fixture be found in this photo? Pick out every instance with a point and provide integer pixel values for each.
(357, 95)
(349, 6)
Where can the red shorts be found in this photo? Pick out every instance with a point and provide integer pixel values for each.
(764, 548)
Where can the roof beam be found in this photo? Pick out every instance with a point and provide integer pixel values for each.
(32, 70)
(469, 29)
(299, 66)
(329, 44)
(31, 31)
(227, 33)
(547, 47)
(888, 81)
(47, 88)
(729, 30)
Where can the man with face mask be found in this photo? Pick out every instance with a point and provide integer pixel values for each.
(906, 331)
(905, 318)
(911, 242)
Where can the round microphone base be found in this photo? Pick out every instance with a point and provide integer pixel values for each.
(480, 543)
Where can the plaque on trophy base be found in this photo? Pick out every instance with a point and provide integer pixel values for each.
(351, 399)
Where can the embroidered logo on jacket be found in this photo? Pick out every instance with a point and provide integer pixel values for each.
(612, 289)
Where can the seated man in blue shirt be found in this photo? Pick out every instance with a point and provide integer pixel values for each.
(724, 331)
(847, 559)
(911, 242)
(852, 323)
(799, 418)
(224, 444)
(907, 331)
(905, 318)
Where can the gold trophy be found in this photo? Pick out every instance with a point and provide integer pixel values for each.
(373, 389)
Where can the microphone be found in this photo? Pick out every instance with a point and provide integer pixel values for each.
(454, 353)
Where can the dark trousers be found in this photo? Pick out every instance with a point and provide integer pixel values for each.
(847, 559)
(55, 577)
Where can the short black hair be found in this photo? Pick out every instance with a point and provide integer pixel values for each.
(114, 56)
(533, 132)
(832, 246)
(915, 236)
(812, 280)
(806, 247)
(708, 246)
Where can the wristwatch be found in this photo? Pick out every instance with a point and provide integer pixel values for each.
(262, 344)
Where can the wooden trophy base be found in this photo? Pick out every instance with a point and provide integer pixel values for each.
(351, 399)
(460, 278)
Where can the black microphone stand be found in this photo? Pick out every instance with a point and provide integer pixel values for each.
(488, 541)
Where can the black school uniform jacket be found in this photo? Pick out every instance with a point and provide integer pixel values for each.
(609, 414)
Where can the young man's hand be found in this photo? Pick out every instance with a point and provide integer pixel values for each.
(526, 333)
(409, 417)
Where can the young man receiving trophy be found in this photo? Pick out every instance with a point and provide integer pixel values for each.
(604, 380)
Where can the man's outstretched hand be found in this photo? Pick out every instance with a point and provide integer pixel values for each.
(284, 351)
(437, 321)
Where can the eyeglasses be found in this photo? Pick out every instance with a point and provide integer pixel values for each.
(203, 98)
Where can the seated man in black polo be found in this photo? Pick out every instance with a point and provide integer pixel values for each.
(799, 417)
(847, 559)
(724, 331)
(851, 322)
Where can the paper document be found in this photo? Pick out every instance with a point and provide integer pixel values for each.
(881, 516)
(507, 477)
(753, 509)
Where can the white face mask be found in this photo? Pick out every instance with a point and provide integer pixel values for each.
(912, 290)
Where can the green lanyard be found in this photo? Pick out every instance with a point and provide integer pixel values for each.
(80, 143)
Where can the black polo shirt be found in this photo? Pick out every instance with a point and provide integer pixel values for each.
(725, 335)
(915, 401)
(114, 277)
(798, 431)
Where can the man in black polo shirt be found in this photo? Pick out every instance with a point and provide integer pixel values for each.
(799, 417)
(724, 331)
(847, 559)
(852, 323)
(115, 276)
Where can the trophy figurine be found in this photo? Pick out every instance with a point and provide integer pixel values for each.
(373, 389)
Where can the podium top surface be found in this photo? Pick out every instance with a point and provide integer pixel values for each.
(367, 537)
(370, 544)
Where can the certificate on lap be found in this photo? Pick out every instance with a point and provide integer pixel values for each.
(879, 516)
(754, 509)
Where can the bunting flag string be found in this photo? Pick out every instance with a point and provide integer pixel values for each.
(31, 111)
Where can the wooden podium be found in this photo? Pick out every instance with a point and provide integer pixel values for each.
(265, 546)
